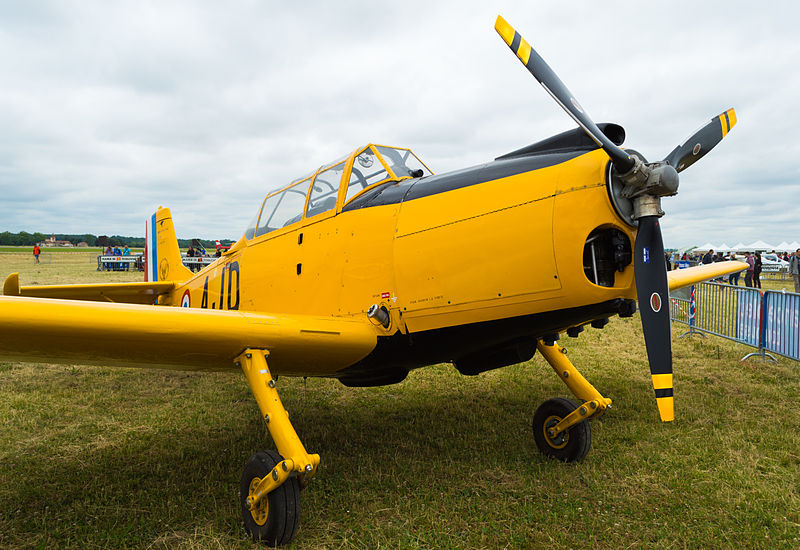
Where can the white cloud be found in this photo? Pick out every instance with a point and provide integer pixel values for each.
(203, 106)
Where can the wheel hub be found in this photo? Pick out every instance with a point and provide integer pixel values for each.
(559, 441)
(261, 510)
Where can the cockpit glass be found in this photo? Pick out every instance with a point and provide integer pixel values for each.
(403, 162)
(367, 170)
(250, 232)
(325, 190)
(284, 207)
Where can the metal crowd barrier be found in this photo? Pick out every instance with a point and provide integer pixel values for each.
(120, 263)
(136, 262)
(766, 320)
(196, 263)
(782, 323)
(775, 275)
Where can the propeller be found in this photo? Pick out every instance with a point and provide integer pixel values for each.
(644, 184)
(702, 141)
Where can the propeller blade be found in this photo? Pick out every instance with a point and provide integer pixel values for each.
(650, 270)
(550, 81)
(702, 141)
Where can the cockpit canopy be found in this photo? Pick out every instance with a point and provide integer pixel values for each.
(333, 185)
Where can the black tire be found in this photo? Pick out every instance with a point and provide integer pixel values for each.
(569, 446)
(276, 519)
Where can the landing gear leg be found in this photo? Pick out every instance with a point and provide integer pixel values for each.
(271, 482)
(560, 426)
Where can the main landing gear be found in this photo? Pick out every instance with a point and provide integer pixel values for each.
(271, 481)
(560, 427)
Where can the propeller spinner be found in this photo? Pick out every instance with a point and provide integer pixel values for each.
(644, 184)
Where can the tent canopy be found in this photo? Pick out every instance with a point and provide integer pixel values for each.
(760, 246)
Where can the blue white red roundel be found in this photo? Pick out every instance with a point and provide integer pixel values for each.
(186, 301)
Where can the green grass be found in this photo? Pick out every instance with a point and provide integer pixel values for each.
(94, 457)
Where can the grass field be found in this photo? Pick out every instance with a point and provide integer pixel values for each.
(94, 457)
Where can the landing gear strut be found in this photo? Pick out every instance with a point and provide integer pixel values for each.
(269, 493)
(560, 427)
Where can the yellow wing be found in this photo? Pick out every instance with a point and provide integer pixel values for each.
(130, 293)
(79, 332)
(684, 277)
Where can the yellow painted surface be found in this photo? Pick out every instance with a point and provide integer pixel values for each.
(495, 250)
(131, 293)
(666, 408)
(170, 266)
(731, 117)
(263, 385)
(505, 30)
(66, 331)
(662, 381)
(678, 278)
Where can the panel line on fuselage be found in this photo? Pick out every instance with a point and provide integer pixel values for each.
(539, 199)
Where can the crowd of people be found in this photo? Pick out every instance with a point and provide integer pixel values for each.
(116, 251)
(752, 275)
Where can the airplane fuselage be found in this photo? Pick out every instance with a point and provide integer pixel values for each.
(472, 266)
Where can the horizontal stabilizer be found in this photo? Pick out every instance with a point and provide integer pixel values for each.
(130, 293)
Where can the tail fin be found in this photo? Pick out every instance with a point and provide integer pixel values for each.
(162, 254)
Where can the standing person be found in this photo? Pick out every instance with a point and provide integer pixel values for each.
(757, 271)
(748, 276)
(667, 260)
(733, 278)
(126, 252)
(794, 269)
(708, 257)
(36, 252)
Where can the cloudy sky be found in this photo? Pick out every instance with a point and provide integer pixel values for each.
(111, 108)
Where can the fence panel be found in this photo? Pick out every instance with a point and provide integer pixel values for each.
(767, 321)
(782, 327)
(679, 310)
(724, 310)
(729, 311)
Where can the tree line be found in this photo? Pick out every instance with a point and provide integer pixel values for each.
(23, 238)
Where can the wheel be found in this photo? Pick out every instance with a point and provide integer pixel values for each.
(569, 446)
(276, 518)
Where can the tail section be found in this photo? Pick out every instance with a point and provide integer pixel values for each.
(162, 255)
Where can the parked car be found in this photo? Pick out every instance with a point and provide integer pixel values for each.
(770, 263)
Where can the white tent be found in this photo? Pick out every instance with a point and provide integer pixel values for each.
(794, 245)
(739, 247)
(723, 248)
(705, 248)
(760, 246)
(783, 247)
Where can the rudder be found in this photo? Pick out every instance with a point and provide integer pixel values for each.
(162, 255)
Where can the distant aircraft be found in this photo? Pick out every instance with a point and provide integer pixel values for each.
(372, 266)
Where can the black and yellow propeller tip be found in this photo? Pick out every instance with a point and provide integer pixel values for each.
(662, 384)
(518, 45)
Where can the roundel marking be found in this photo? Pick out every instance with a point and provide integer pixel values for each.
(655, 302)
(186, 301)
(696, 149)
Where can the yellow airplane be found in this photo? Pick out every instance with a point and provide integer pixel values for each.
(372, 266)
